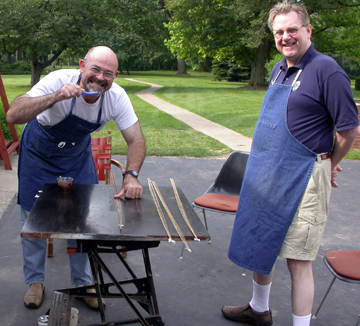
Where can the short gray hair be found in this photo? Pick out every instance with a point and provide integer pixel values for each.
(284, 8)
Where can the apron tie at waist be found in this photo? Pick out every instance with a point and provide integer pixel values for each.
(322, 157)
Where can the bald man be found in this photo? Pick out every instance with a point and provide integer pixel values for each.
(60, 112)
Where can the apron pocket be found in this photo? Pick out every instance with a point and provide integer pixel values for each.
(263, 136)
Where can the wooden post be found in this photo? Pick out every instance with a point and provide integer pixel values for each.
(7, 147)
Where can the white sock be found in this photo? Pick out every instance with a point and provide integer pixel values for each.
(301, 320)
(260, 298)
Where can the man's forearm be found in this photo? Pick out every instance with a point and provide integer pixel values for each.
(25, 108)
(344, 141)
(136, 155)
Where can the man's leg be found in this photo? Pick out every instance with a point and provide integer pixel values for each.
(79, 266)
(257, 311)
(302, 291)
(81, 274)
(34, 253)
(261, 291)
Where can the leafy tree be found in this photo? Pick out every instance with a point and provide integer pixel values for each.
(237, 30)
(222, 29)
(137, 31)
(45, 28)
(10, 40)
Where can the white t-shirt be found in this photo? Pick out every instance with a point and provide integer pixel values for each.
(116, 105)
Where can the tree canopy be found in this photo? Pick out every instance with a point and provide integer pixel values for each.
(237, 29)
(143, 32)
(43, 29)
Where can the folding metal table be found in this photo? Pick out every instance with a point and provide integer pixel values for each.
(90, 214)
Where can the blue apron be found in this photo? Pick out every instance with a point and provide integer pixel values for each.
(276, 177)
(60, 150)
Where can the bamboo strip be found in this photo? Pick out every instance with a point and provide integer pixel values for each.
(176, 226)
(182, 210)
(117, 201)
(160, 212)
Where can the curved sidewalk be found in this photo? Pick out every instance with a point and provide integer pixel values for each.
(224, 135)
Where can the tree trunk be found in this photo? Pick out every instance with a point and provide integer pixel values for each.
(181, 67)
(37, 66)
(258, 70)
(36, 71)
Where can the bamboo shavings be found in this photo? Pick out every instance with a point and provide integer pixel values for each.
(117, 202)
(158, 207)
(176, 226)
(182, 210)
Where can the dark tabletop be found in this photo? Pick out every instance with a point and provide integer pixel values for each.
(91, 212)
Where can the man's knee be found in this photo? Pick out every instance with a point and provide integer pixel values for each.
(299, 268)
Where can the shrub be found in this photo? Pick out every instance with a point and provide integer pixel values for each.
(4, 124)
(238, 74)
(16, 68)
(219, 70)
(230, 71)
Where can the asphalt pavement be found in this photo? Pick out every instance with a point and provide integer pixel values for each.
(193, 290)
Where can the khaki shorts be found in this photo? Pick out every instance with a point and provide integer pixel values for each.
(304, 236)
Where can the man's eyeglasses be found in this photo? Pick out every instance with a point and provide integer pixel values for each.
(291, 31)
(108, 75)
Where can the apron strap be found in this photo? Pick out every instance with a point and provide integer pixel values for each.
(294, 81)
(296, 77)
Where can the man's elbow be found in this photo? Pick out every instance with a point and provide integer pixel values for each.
(10, 118)
(350, 134)
(355, 132)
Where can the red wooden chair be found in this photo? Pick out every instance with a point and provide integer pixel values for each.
(101, 151)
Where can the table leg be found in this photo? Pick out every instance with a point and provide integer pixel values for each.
(154, 309)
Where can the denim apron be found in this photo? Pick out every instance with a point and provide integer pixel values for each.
(276, 177)
(60, 150)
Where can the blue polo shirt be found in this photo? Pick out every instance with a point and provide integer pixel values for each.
(322, 101)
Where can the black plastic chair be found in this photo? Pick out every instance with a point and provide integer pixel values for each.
(345, 266)
(223, 194)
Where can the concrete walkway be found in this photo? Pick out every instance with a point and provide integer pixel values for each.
(230, 138)
(8, 183)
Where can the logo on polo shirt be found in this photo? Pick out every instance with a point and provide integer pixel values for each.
(296, 85)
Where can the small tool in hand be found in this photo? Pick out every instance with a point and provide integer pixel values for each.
(90, 93)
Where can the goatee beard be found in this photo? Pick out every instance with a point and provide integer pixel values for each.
(89, 88)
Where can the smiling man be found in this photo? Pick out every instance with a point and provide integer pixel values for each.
(60, 112)
(308, 123)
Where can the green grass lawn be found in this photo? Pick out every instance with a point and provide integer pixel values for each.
(229, 104)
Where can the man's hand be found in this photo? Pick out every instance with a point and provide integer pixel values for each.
(132, 188)
(334, 175)
(68, 91)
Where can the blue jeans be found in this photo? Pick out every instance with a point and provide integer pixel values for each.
(34, 253)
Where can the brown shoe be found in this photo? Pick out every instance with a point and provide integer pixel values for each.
(34, 296)
(92, 303)
(247, 315)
